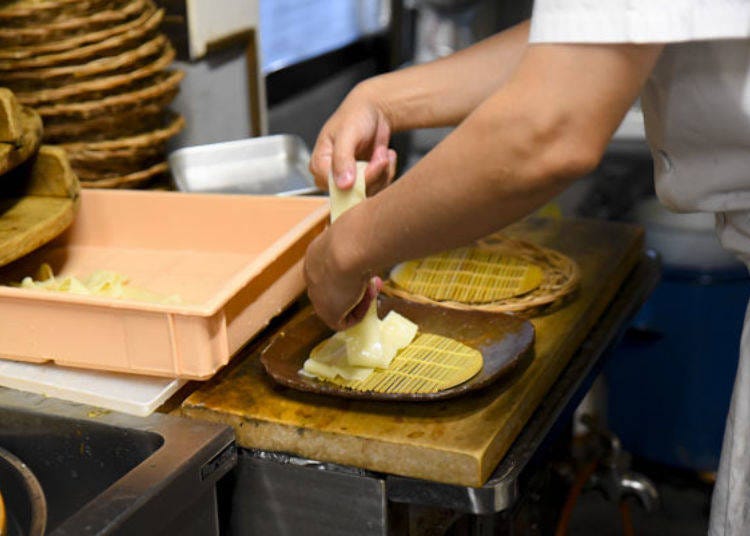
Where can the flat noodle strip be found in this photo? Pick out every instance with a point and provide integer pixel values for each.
(431, 363)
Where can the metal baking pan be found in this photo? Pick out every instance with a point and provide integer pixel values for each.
(268, 165)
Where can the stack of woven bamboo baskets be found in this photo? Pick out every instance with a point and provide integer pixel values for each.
(97, 73)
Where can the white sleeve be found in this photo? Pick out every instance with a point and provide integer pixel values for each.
(638, 21)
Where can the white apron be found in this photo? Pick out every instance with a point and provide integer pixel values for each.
(697, 110)
(696, 106)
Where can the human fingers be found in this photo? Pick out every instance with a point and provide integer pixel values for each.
(332, 305)
(343, 164)
(392, 163)
(377, 170)
(320, 160)
(333, 293)
(382, 173)
(358, 313)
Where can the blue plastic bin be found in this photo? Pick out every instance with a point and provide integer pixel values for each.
(670, 380)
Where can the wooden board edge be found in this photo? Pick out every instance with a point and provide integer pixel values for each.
(497, 449)
(461, 469)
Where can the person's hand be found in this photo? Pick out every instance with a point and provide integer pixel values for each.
(358, 130)
(340, 293)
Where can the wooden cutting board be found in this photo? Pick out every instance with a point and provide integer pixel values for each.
(457, 441)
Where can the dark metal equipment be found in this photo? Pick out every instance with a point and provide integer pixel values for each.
(105, 473)
(23, 496)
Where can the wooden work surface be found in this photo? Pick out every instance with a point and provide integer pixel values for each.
(457, 441)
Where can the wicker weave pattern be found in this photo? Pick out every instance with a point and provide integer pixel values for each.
(560, 278)
(99, 87)
(65, 74)
(157, 137)
(33, 12)
(47, 47)
(14, 59)
(130, 180)
(130, 122)
(161, 92)
(97, 72)
(71, 27)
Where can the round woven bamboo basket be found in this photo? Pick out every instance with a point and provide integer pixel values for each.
(49, 47)
(109, 163)
(38, 9)
(159, 91)
(560, 279)
(99, 88)
(21, 13)
(131, 180)
(131, 122)
(107, 169)
(97, 73)
(66, 28)
(20, 58)
(172, 124)
(65, 75)
(101, 163)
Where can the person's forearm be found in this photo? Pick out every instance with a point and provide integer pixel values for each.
(443, 92)
(543, 129)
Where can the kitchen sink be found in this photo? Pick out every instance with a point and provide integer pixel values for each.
(109, 473)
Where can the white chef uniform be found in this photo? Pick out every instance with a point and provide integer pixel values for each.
(696, 106)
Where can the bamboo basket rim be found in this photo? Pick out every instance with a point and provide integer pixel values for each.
(115, 165)
(560, 279)
(25, 9)
(86, 38)
(108, 83)
(100, 128)
(94, 157)
(104, 149)
(156, 92)
(13, 59)
(73, 26)
(101, 170)
(130, 179)
(98, 66)
(21, 17)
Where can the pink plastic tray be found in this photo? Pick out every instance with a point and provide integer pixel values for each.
(236, 261)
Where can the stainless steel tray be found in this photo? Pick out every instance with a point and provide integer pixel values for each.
(269, 165)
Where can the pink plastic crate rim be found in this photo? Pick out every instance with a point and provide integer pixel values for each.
(236, 261)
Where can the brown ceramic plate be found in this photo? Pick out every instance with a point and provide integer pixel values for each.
(503, 340)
